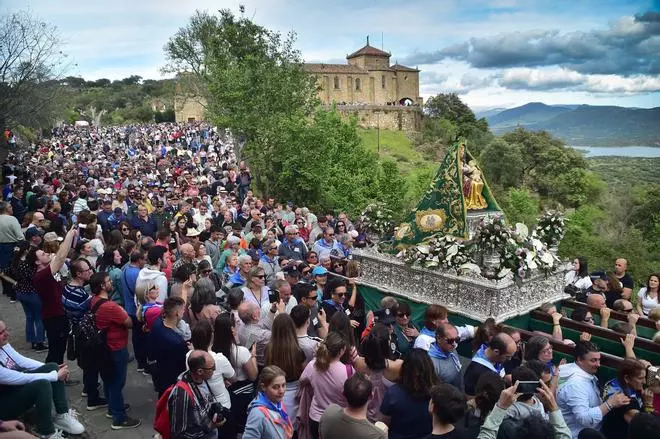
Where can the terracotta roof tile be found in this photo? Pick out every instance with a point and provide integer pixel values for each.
(399, 67)
(368, 50)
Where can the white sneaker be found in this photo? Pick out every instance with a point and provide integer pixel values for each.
(56, 435)
(69, 422)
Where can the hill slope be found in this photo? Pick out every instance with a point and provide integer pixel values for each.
(584, 124)
(531, 113)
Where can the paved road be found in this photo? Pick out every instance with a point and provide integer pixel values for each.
(139, 392)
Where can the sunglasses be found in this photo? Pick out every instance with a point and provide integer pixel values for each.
(403, 314)
(311, 298)
(260, 276)
(340, 294)
(456, 340)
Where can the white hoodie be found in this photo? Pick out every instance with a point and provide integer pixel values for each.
(148, 274)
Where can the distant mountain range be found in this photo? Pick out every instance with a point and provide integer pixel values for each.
(582, 125)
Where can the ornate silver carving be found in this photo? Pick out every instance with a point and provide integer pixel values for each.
(471, 295)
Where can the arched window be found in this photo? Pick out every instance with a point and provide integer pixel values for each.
(336, 82)
(357, 83)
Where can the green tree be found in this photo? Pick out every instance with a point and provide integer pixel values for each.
(31, 65)
(520, 206)
(449, 106)
(502, 163)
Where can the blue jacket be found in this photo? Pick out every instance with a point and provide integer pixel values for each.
(128, 280)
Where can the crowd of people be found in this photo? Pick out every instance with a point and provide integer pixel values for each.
(245, 313)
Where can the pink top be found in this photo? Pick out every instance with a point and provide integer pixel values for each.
(328, 386)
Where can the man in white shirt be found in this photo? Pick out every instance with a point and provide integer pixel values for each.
(579, 396)
(28, 383)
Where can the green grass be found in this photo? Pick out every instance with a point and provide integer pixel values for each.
(393, 144)
(397, 146)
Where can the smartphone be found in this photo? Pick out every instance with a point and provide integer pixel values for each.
(528, 386)
(652, 376)
(273, 296)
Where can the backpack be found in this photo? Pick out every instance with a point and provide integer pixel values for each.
(89, 338)
(162, 415)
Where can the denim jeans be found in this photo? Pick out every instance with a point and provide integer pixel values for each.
(114, 385)
(34, 327)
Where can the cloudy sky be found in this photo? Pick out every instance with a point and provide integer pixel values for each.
(494, 53)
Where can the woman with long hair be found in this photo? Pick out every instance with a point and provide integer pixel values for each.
(125, 229)
(255, 288)
(284, 352)
(405, 405)
(114, 241)
(341, 324)
(111, 262)
(376, 363)
(268, 416)
(326, 375)
(244, 363)
(648, 297)
(23, 272)
(578, 276)
(202, 305)
(487, 330)
(487, 393)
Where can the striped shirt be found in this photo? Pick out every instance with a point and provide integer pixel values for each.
(75, 301)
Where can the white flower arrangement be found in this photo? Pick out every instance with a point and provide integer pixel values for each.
(439, 252)
(492, 233)
(550, 228)
(378, 219)
(524, 254)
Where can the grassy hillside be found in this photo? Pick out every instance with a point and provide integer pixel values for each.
(396, 145)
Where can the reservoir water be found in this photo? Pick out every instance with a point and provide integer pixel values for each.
(619, 151)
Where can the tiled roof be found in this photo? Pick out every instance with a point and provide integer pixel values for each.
(332, 68)
(399, 67)
(368, 50)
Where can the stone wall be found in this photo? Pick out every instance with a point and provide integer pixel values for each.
(189, 109)
(397, 118)
(397, 86)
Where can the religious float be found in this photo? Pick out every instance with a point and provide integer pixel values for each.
(456, 249)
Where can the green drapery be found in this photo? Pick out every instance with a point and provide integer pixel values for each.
(442, 209)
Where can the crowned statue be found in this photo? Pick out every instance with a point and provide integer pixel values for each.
(457, 197)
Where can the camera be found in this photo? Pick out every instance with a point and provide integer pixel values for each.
(218, 409)
(273, 296)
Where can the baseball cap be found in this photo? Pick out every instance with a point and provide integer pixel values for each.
(319, 271)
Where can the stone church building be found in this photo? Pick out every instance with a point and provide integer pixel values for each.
(367, 79)
(377, 94)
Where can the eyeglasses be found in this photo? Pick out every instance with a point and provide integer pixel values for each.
(124, 229)
(331, 234)
(260, 276)
(340, 294)
(403, 314)
(456, 340)
(310, 297)
(273, 248)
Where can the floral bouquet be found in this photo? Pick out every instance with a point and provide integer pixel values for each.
(439, 252)
(550, 228)
(378, 219)
(492, 234)
(523, 253)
